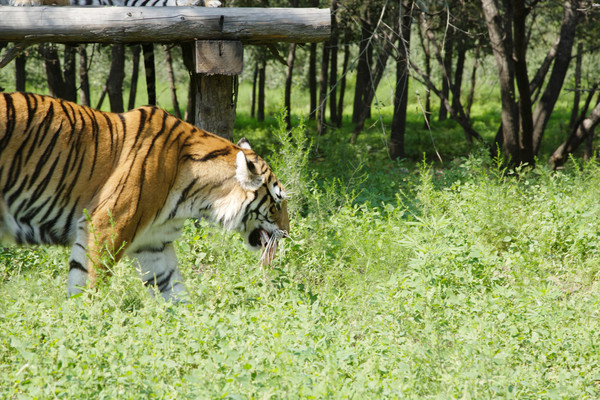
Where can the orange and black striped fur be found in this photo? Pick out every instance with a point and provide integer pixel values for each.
(71, 175)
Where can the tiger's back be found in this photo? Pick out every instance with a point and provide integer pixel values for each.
(47, 166)
(138, 175)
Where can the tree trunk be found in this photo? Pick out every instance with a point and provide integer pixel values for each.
(84, 82)
(69, 73)
(546, 104)
(502, 46)
(534, 86)
(458, 73)
(56, 83)
(457, 113)
(473, 81)
(102, 96)
(171, 78)
(253, 95)
(333, 50)
(321, 127)
(115, 78)
(524, 104)
(402, 75)
(312, 80)
(376, 75)
(422, 26)
(188, 54)
(288, 86)
(148, 50)
(20, 73)
(340, 107)
(135, 71)
(584, 129)
(577, 94)
(540, 75)
(260, 112)
(362, 69)
(447, 60)
(461, 51)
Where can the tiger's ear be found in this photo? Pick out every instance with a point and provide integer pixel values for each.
(246, 173)
(244, 143)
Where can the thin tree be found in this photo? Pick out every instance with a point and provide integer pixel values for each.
(116, 75)
(260, 112)
(577, 92)
(333, 65)
(135, 71)
(288, 85)
(148, 50)
(402, 76)
(321, 122)
(20, 72)
(253, 96)
(547, 102)
(312, 80)
(171, 78)
(84, 82)
(584, 129)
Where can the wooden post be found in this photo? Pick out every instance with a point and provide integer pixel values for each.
(218, 64)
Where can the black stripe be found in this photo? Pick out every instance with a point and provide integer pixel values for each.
(15, 195)
(10, 121)
(43, 183)
(43, 127)
(162, 285)
(32, 105)
(44, 158)
(211, 155)
(70, 217)
(76, 265)
(152, 249)
(152, 281)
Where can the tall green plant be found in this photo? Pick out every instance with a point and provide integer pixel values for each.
(290, 162)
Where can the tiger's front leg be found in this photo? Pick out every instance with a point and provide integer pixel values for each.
(81, 272)
(157, 266)
(98, 248)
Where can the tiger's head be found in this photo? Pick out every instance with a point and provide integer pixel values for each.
(265, 219)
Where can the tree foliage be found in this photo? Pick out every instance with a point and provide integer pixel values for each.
(423, 46)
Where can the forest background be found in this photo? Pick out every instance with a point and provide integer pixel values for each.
(443, 247)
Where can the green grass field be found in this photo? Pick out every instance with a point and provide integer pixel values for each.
(402, 280)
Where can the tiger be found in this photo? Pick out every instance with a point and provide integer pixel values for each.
(124, 185)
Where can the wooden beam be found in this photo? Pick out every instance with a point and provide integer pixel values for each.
(219, 57)
(163, 24)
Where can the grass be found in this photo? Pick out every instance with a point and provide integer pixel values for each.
(403, 280)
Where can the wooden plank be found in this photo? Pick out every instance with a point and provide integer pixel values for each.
(163, 24)
(222, 57)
